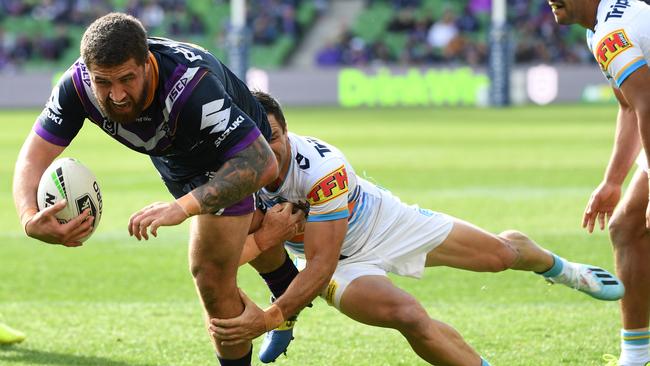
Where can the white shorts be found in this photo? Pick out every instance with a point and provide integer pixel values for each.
(401, 249)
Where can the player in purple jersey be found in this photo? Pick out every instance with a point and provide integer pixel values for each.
(206, 135)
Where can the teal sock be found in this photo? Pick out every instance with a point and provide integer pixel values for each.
(484, 363)
(555, 269)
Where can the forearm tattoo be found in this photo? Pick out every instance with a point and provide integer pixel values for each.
(238, 177)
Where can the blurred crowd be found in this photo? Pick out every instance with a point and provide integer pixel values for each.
(456, 34)
(459, 35)
(268, 19)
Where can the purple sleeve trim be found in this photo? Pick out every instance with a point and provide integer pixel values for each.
(47, 136)
(243, 143)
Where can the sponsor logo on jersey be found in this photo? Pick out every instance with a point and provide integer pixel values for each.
(302, 161)
(617, 9)
(85, 75)
(330, 292)
(229, 130)
(213, 116)
(53, 109)
(329, 187)
(611, 46)
(109, 126)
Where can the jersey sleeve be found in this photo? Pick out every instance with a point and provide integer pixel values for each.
(63, 115)
(212, 118)
(619, 53)
(328, 193)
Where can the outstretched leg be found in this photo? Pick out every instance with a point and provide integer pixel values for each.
(374, 300)
(471, 248)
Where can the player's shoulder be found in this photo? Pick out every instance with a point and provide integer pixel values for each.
(314, 156)
(174, 55)
(615, 15)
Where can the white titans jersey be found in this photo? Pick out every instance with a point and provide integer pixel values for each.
(320, 175)
(621, 40)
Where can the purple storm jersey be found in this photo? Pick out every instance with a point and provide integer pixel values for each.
(201, 114)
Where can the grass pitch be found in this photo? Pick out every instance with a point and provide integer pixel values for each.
(117, 302)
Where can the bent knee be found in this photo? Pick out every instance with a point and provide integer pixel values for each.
(513, 235)
(408, 316)
(626, 229)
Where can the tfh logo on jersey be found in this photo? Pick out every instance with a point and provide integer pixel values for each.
(611, 46)
(329, 187)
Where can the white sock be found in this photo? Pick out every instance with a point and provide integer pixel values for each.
(634, 348)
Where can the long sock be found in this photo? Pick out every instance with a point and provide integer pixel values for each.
(279, 280)
(634, 347)
(484, 363)
(244, 361)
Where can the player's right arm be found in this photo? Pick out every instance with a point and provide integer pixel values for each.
(56, 126)
(34, 157)
(627, 145)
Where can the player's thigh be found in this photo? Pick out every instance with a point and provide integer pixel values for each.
(468, 247)
(375, 300)
(217, 241)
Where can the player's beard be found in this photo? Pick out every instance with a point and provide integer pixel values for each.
(130, 116)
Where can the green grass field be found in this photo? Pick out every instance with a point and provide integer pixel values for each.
(117, 302)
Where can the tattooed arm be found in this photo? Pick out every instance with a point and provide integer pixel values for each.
(243, 174)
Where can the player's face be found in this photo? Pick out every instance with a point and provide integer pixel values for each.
(567, 11)
(121, 90)
(279, 143)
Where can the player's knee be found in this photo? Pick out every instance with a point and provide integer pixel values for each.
(625, 230)
(409, 316)
(514, 236)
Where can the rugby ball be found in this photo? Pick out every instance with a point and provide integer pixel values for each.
(68, 178)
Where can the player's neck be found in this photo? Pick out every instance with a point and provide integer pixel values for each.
(589, 21)
(284, 169)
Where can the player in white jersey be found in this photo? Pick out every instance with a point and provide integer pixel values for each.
(618, 34)
(355, 233)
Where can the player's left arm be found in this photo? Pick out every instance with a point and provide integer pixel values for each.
(636, 91)
(323, 240)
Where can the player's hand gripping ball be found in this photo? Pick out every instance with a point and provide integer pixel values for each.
(68, 179)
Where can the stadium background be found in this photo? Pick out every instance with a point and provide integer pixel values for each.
(401, 86)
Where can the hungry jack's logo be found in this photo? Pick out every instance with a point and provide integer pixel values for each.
(611, 46)
(329, 187)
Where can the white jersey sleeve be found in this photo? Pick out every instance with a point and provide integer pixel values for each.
(621, 40)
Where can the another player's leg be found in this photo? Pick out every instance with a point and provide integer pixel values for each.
(9, 335)
(215, 247)
(374, 300)
(631, 243)
(471, 248)
(277, 270)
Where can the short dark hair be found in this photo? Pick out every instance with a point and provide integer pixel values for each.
(272, 107)
(114, 39)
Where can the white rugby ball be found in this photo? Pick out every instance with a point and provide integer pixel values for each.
(68, 178)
